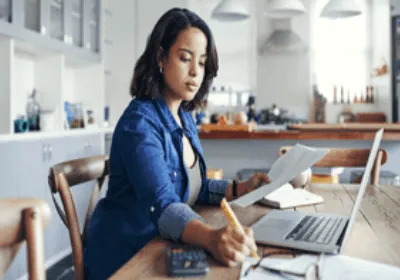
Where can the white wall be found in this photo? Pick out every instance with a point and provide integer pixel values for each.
(6, 85)
(236, 45)
(284, 79)
(381, 52)
(119, 54)
(23, 84)
(147, 13)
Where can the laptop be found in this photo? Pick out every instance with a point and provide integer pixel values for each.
(316, 232)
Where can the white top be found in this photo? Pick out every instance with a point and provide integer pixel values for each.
(194, 182)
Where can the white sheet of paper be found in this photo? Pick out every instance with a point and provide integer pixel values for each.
(332, 267)
(285, 168)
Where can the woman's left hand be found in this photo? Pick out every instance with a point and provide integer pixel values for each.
(255, 181)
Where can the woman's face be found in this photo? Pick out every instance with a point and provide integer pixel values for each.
(183, 68)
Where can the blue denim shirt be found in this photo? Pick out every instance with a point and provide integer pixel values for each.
(148, 186)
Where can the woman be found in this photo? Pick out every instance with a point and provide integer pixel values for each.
(157, 168)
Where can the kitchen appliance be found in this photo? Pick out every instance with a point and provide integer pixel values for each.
(277, 115)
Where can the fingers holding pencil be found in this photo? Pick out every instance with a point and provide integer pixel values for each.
(244, 236)
(231, 246)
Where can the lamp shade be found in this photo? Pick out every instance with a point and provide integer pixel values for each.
(284, 8)
(340, 9)
(230, 10)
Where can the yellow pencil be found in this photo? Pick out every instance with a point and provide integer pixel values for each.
(235, 222)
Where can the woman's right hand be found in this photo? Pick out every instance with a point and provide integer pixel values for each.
(230, 246)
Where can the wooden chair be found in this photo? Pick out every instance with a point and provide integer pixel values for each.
(215, 173)
(62, 177)
(350, 158)
(371, 117)
(23, 219)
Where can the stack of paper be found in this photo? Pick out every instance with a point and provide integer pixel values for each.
(288, 197)
(331, 267)
(288, 166)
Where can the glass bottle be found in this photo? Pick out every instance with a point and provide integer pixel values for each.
(33, 112)
(335, 99)
(342, 95)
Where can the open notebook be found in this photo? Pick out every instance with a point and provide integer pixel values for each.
(289, 197)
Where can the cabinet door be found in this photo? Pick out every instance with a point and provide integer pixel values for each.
(57, 16)
(9, 189)
(5, 10)
(92, 145)
(36, 15)
(8, 170)
(57, 242)
(91, 25)
(76, 23)
(30, 182)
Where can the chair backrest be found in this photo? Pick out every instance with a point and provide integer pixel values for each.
(370, 117)
(68, 174)
(349, 158)
(23, 219)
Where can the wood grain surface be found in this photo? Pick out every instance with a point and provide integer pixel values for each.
(375, 235)
(299, 135)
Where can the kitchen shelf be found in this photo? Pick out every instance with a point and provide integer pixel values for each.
(56, 77)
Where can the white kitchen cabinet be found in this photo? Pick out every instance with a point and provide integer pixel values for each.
(56, 78)
(25, 165)
(57, 25)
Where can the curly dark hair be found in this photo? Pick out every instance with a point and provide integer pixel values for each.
(147, 81)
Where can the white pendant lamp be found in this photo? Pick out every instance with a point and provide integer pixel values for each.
(230, 10)
(340, 9)
(284, 8)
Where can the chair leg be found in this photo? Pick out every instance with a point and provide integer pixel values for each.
(35, 244)
(73, 227)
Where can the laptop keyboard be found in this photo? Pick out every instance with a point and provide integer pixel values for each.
(315, 229)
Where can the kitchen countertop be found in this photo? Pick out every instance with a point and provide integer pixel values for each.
(27, 136)
(311, 132)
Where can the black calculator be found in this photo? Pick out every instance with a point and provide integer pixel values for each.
(186, 260)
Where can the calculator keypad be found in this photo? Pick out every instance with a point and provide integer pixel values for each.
(187, 260)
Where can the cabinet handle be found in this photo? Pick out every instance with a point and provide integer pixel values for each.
(43, 30)
(108, 12)
(67, 39)
(44, 152)
(50, 148)
(108, 42)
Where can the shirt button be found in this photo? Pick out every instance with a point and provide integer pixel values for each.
(152, 209)
(175, 174)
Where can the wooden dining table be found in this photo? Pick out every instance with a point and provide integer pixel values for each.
(375, 235)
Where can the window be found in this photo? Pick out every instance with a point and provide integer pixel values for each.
(223, 100)
(341, 51)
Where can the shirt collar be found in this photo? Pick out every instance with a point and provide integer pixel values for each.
(168, 118)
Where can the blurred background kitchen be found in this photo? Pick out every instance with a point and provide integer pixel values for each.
(317, 72)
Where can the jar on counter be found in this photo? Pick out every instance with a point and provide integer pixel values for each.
(47, 120)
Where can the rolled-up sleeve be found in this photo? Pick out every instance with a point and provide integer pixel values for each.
(148, 174)
(217, 190)
(174, 219)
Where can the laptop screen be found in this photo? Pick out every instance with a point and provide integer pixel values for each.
(364, 181)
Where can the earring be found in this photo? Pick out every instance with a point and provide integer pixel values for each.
(161, 70)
